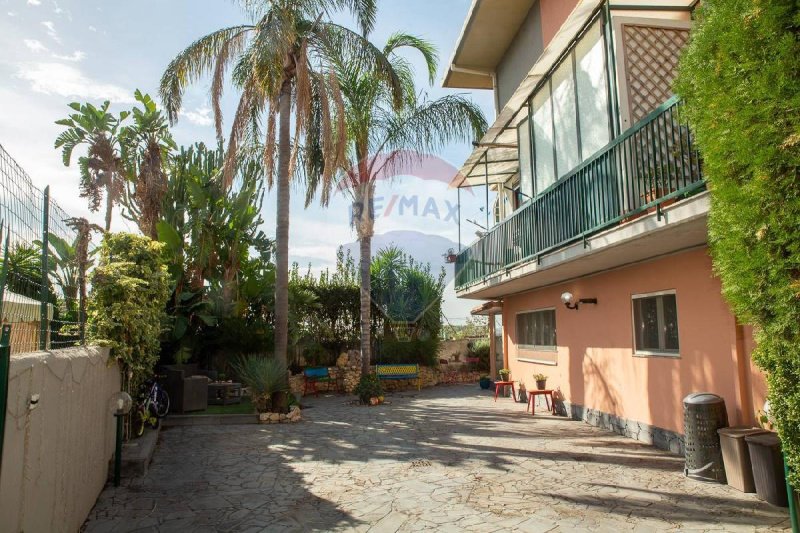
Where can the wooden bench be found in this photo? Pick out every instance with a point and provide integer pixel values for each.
(312, 376)
(401, 371)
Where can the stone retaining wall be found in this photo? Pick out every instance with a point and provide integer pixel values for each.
(347, 373)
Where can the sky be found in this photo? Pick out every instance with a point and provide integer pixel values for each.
(57, 52)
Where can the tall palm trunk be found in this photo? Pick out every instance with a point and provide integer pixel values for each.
(366, 302)
(365, 229)
(282, 225)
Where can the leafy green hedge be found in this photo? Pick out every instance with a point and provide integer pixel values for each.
(740, 79)
(130, 288)
(421, 351)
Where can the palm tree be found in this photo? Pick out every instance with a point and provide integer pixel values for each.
(279, 63)
(146, 146)
(101, 167)
(384, 134)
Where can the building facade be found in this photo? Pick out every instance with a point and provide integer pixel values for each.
(594, 243)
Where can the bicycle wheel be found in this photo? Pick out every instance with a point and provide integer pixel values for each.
(152, 417)
(161, 403)
(138, 419)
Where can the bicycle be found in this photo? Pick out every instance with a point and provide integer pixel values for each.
(152, 407)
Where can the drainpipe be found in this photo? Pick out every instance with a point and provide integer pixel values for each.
(492, 350)
(746, 408)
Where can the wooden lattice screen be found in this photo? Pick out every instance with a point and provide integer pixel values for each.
(651, 63)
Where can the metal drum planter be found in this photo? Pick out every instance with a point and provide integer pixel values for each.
(703, 414)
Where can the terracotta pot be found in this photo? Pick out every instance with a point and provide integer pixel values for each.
(541, 384)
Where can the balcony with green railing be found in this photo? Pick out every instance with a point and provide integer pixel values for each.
(651, 164)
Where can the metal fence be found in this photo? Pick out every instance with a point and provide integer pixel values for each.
(649, 165)
(43, 272)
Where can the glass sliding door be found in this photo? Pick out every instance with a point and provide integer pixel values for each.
(544, 164)
(525, 159)
(565, 118)
(590, 69)
(570, 112)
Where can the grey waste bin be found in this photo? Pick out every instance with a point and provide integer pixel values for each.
(768, 473)
(703, 414)
(736, 456)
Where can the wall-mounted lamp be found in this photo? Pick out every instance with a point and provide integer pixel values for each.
(567, 299)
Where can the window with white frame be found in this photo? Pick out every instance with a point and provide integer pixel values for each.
(537, 329)
(655, 324)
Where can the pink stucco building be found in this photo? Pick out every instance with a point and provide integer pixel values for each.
(594, 245)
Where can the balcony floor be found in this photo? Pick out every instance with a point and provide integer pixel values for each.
(682, 227)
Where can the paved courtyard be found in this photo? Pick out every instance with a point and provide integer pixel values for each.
(444, 459)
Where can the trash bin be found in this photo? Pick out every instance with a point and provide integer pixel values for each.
(768, 474)
(703, 414)
(736, 456)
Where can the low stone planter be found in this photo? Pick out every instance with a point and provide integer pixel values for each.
(294, 415)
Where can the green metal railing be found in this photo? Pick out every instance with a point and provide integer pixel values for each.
(651, 163)
(39, 273)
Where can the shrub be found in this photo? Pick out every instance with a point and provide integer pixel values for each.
(421, 351)
(130, 288)
(369, 386)
(480, 349)
(263, 377)
(740, 79)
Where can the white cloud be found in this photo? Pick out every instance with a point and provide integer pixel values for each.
(68, 81)
(76, 56)
(92, 28)
(51, 30)
(34, 2)
(12, 14)
(200, 116)
(35, 46)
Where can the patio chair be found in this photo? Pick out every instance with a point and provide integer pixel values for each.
(187, 387)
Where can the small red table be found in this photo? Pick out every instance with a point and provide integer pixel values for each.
(498, 384)
(532, 394)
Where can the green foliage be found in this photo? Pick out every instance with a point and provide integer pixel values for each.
(324, 311)
(480, 349)
(263, 376)
(369, 386)
(474, 326)
(130, 288)
(421, 351)
(740, 79)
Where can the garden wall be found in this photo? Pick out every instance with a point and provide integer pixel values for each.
(56, 450)
(347, 372)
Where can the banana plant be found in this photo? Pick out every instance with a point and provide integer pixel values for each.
(147, 145)
(101, 168)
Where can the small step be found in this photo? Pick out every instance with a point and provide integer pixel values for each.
(209, 420)
(136, 455)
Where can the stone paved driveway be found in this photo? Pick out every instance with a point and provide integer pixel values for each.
(444, 459)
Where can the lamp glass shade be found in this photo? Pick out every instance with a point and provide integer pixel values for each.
(121, 403)
(566, 298)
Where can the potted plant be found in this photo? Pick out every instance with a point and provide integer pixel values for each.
(369, 390)
(485, 382)
(504, 374)
(541, 381)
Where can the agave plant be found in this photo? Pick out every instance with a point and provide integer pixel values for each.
(263, 376)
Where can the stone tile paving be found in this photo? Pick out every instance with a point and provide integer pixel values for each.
(444, 459)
